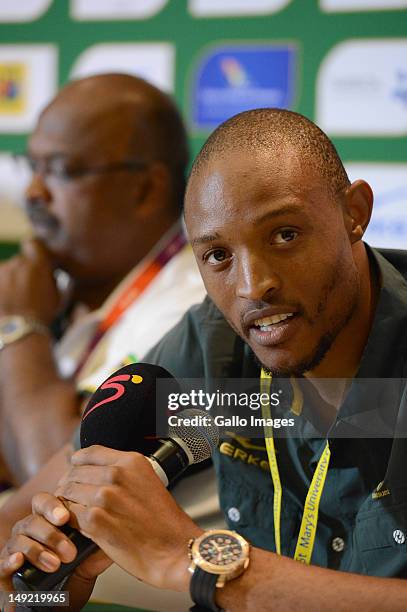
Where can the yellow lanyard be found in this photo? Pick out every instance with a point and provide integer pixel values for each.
(309, 522)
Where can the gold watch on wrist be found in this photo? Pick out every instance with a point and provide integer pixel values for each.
(217, 556)
(15, 327)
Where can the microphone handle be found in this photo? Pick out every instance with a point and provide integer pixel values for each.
(30, 578)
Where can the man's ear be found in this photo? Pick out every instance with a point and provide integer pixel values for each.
(152, 190)
(358, 206)
(141, 187)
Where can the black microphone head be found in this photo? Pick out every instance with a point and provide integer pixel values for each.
(121, 414)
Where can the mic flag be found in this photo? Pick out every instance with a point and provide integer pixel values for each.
(121, 414)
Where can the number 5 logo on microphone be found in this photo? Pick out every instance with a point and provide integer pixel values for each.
(114, 383)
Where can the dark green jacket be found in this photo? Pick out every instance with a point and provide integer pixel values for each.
(360, 528)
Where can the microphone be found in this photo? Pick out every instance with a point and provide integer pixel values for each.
(121, 414)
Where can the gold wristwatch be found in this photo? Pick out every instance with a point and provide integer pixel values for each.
(15, 327)
(217, 556)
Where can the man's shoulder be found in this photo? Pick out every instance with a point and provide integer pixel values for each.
(200, 317)
(391, 312)
(396, 257)
(202, 343)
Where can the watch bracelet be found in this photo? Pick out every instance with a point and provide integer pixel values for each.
(32, 326)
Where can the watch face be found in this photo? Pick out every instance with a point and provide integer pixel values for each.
(220, 549)
(13, 328)
(9, 326)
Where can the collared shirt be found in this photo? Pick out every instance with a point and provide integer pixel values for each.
(362, 523)
(177, 286)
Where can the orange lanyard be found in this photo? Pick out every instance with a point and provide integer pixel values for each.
(133, 291)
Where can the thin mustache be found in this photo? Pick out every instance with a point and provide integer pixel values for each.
(36, 210)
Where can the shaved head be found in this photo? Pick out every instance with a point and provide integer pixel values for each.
(276, 230)
(275, 130)
(112, 107)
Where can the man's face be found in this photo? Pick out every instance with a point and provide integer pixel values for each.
(85, 221)
(274, 255)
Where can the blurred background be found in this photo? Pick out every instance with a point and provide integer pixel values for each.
(342, 63)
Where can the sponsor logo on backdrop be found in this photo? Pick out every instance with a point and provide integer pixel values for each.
(232, 78)
(215, 8)
(151, 61)
(388, 225)
(400, 90)
(27, 82)
(362, 88)
(22, 10)
(338, 6)
(13, 88)
(115, 9)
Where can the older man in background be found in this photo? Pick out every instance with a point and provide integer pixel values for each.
(108, 159)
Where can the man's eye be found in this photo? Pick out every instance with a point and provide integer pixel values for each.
(216, 256)
(286, 235)
(61, 169)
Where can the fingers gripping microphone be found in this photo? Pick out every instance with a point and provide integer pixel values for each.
(121, 414)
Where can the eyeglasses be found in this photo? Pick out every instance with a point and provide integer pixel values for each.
(64, 170)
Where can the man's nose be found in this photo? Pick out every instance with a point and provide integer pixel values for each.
(37, 190)
(256, 278)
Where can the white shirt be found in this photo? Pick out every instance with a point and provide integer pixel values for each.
(172, 291)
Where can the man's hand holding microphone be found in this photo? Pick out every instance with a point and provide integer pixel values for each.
(116, 498)
(38, 539)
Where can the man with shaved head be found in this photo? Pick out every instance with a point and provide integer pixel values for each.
(320, 277)
(107, 158)
(293, 292)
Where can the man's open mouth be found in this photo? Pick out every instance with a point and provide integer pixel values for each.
(267, 323)
(274, 329)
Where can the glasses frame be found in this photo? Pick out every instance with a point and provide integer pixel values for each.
(44, 167)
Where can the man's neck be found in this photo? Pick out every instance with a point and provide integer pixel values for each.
(93, 293)
(92, 296)
(343, 358)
